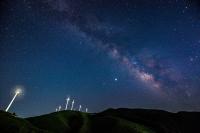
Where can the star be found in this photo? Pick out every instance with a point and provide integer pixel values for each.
(191, 59)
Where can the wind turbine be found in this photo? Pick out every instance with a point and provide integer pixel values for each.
(17, 92)
(68, 99)
(59, 108)
(72, 105)
(86, 110)
(79, 108)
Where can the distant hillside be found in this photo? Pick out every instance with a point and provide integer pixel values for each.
(160, 121)
(109, 121)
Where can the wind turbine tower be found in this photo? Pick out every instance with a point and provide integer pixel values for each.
(79, 108)
(59, 108)
(72, 105)
(67, 102)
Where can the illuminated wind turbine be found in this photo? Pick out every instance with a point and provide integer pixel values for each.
(68, 99)
(59, 108)
(17, 92)
(86, 110)
(56, 110)
(79, 108)
(72, 105)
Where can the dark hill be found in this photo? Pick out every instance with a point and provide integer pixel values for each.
(109, 121)
(12, 124)
(160, 121)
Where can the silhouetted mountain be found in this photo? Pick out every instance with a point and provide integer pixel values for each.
(109, 121)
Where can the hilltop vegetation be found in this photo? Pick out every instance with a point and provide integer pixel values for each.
(109, 121)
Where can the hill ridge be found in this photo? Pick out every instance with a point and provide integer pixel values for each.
(121, 120)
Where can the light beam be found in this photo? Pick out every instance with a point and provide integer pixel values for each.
(17, 92)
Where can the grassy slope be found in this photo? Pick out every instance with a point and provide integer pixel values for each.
(76, 122)
(111, 124)
(64, 121)
(109, 121)
(160, 121)
(12, 124)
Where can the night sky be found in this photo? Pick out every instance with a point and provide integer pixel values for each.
(103, 53)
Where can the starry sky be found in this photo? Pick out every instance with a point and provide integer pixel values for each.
(104, 54)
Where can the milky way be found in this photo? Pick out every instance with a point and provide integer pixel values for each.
(138, 65)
